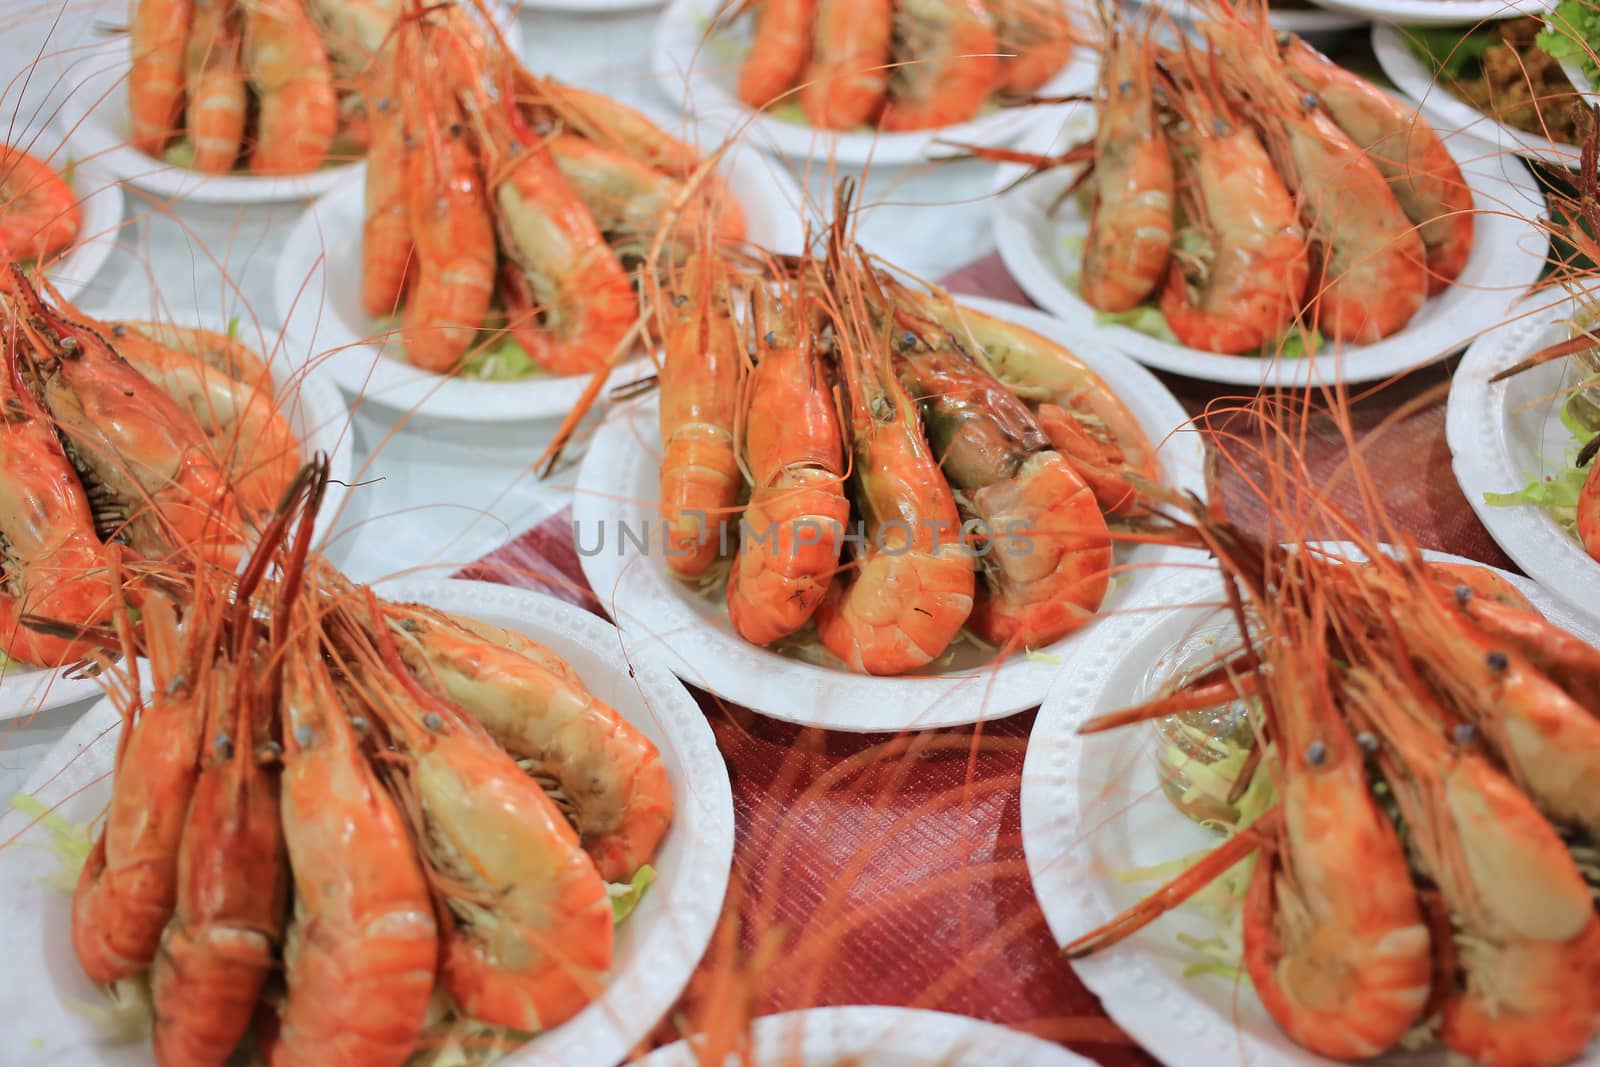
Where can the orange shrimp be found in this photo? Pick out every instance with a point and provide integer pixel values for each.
(1035, 39)
(128, 888)
(1525, 925)
(218, 97)
(1243, 290)
(1085, 419)
(779, 50)
(912, 587)
(492, 837)
(699, 385)
(157, 36)
(848, 76)
(386, 249)
(296, 110)
(217, 351)
(363, 946)
(1405, 148)
(610, 774)
(609, 122)
(792, 445)
(39, 214)
(1131, 221)
(1588, 510)
(451, 228)
(945, 51)
(1047, 562)
(572, 305)
(52, 559)
(152, 477)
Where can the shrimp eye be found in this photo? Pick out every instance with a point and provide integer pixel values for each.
(269, 752)
(1463, 594)
(456, 129)
(410, 626)
(1367, 741)
(1285, 39)
(303, 736)
(223, 746)
(358, 723)
(1498, 661)
(383, 105)
(908, 339)
(432, 721)
(1125, 87)
(118, 330)
(1309, 100)
(680, 300)
(1463, 732)
(1316, 752)
(177, 683)
(771, 337)
(1219, 126)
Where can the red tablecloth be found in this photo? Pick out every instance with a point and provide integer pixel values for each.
(880, 870)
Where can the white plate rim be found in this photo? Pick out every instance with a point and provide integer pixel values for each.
(1298, 20)
(712, 657)
(1412, 78)
(679, 70)
(364, 370)
(323, 424)
(1499, 251)
(908, 1035)
(1437, 12)
(1158, 1008)
(1480, 456)
(90, 130)
(605, 1030)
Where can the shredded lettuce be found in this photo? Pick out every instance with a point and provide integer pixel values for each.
(179, 154)
(233, 328)
(69, 173)
(1450, 52)
(1572, 33)
(1143, 319)
(1554, 494)
(625, 896)
(70, 842)
(505, 362)
(1041, 657)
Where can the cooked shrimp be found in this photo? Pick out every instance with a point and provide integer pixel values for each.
(845, 84)
(946, 61)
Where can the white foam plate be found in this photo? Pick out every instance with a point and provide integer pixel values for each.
(1305, 22)
(589, 7)
(618, 486)
(96, 113)
(1506, 434)
(317, 288)
(1093, 805)
(657, 948)
(880, 1037)
(312, 404)
(100, 205)
(705, 75)
(1447, 111)
(1438, 12)
(1043, 252)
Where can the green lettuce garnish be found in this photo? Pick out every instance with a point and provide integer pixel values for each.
(625, 896)
(1450, 52)
(70, 842)
(1143, 319)
(233, 328)
(505, 362)
(1555, 494)
(179, 154)
(1572, 33)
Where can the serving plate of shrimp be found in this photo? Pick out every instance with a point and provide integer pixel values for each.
(898, 632)
(549, 249)
(877, 1036)
(54, 212)
(650, 803)
(1120, 249)
(1306, 19)
(1216, 974)
(835, 90)
(200, 389)
(172, 113)
(1438, 12)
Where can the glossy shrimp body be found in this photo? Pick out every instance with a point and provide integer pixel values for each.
(1084, 418)
(296, 110)
(52, 561)
(39, 214)
(363, 946)
(218, 351)
(157, 36)
(607, 121)
(218, 101)
(610, 773)
(1048, 558)
(848, 77)
(795, 454)
(1406, 149)
(1525, 925)
(1035, 39)
(1588, 514)
(452, 231)
(1130, 229)
(1245, 289)
(779, 50)
(386, 245)
(573, 305)
(128, 887)
(157, 484)
(700, 382)
(233, 883)
(946, 51)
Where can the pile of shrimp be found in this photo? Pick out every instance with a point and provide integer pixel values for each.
(164, 441)
(1426, 736)
(39, 213)
(269, 85)
(338, 823)
(963, 446)
(506, 207)
(900, 64)
(1249, 186)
